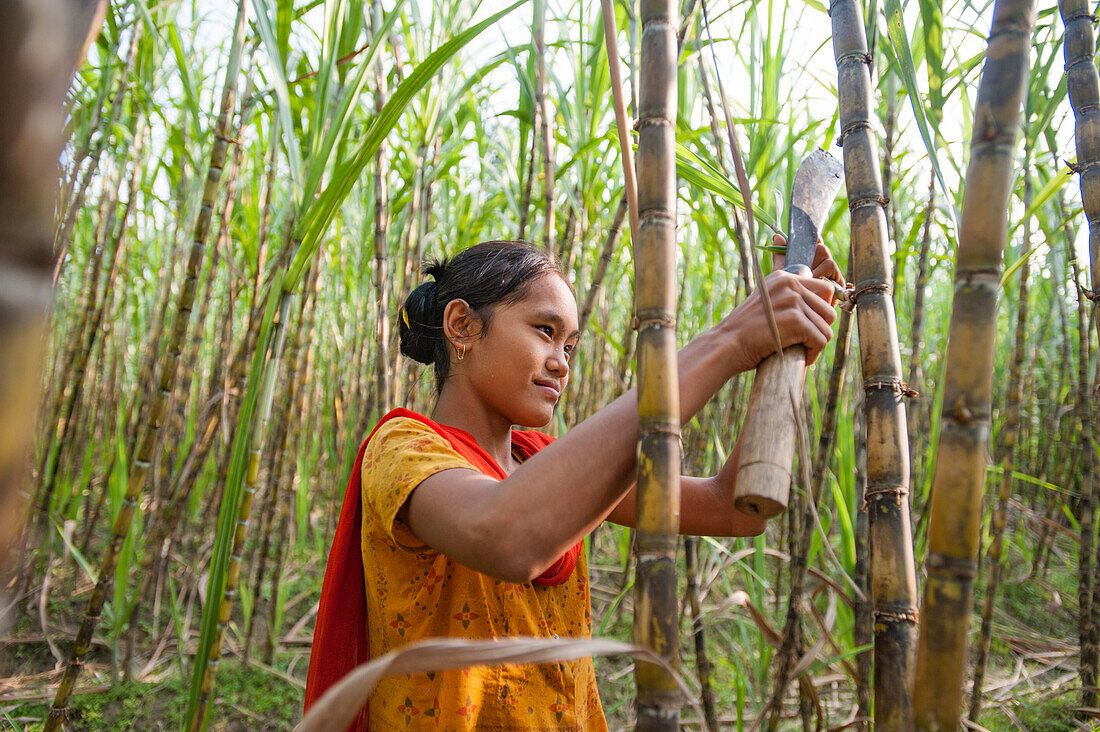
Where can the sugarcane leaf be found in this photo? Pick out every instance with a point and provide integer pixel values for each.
(273, 44)
(81, 560)
(317, 218)
(184, 65)
(931, 12)
(336, 132)
(702, 174)
(1041, 199)
(898, 43)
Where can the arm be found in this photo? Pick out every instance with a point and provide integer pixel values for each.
(515, 528)
(706, 505)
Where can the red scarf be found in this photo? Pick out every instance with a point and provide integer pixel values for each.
(340, 635)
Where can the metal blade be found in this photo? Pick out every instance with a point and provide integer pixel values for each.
(815, 186)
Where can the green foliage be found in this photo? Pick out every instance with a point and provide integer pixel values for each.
(249, 699)
(1045, 715)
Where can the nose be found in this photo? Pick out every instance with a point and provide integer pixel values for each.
(558, 362)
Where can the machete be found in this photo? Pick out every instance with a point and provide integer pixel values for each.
(768, 435)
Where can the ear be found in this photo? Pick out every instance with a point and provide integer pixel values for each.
(461, 325)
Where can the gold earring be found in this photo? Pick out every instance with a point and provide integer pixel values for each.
(462, 353)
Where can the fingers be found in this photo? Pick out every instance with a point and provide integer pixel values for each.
(825, 266)
(779, 261)
(803, 311)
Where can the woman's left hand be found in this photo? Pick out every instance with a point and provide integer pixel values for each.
(824, 266)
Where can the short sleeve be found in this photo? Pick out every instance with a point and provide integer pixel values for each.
(402, 453)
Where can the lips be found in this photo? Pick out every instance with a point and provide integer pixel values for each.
(551, 387)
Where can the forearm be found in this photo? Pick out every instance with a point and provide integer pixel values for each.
(577, 481)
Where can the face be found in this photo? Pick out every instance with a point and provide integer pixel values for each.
(519, 366)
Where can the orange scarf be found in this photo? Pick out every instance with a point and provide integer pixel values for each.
(340, 635)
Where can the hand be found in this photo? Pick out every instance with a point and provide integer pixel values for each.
(824, 266)
(804, 314)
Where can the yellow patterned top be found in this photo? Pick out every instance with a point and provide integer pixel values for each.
(415, 592)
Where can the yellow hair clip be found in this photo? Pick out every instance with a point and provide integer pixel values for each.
(405, 317)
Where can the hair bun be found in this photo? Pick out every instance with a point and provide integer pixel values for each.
(421, 324)
(436, 268)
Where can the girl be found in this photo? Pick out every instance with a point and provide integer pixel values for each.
(459, 525)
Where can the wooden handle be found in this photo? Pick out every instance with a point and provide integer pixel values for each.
(768, 435)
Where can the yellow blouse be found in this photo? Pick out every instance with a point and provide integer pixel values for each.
(415, 592)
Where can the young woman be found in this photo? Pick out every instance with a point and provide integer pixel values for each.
(459, 525)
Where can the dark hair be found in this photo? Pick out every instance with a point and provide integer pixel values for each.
(485, 275)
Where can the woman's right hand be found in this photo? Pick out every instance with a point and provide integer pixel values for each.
(804, 314)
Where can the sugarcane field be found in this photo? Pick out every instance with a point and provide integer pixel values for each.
(550, 365)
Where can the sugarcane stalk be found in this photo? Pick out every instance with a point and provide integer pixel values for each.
(544, 133)
(1011, 431)
(890, 139)
(76, 200)
(740, 234)
(150, 432)
(529, 178)
(804, 527)
(244, 513)
(381, 225)
(604, 261)
(893, 578)
(656, 617)
(862, 620)
(277, 462)
(90, 330)
(916, 327)
(959, 475)
(698, 635)
(1083, 86)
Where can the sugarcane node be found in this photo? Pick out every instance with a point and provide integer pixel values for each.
(860, 55)
(1082, 168)
(897, 492)
(653, 318)
(850, 128)
(858, 292)
(653, 120)
(895, 385)
(960, 412)
(1090, 295)
(898, 616)
(960, 567)
(872, 200)
(1012, 29)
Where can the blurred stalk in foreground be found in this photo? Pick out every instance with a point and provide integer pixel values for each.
(1011, 430)
(959, 475)
(32, 93)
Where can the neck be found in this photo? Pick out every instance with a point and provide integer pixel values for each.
(458, 408)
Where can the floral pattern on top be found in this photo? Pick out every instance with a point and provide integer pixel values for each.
(415, 592)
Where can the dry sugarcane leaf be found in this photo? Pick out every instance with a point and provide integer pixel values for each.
(811, 655)
(339, 705)
(741, 599)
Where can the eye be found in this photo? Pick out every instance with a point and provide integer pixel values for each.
(546, 329)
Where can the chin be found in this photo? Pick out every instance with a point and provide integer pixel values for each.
(533, 420)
